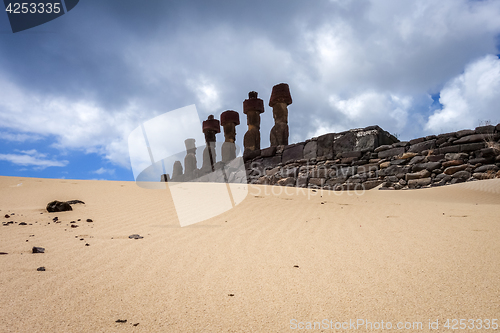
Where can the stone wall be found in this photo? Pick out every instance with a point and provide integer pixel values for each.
(368, 157)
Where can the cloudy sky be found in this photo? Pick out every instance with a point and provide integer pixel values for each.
(72, 90)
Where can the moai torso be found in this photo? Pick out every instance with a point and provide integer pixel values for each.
(190, 163)
(229, 120)
(211, 127)
(279, 101)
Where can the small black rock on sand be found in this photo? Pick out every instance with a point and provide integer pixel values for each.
(62, 206)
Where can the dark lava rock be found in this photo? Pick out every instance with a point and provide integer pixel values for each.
(296, 266)
(23, 223)
(55, 219)
(135, 236)
(89, 220)
(41, 269)
(2, 253)
(121, 321)
(230, 295)
(7, 216)
(135, 324)
(58, 206)
(72, 202)
(74, 226)
(87, 244)
(36, 249)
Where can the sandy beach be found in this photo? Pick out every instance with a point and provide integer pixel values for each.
(277, 262)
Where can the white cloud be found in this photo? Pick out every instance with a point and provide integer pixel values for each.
(19, 137)
(32, 158)
(469, 98)
(102, 170)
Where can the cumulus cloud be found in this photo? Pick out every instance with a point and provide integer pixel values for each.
(349, 63)
(32, 158)
(469, 98)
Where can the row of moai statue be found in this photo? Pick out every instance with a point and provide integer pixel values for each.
(252, 107)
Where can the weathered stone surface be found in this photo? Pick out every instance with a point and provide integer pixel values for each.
(462, 133)
(428, 166)
(367, 168)
(426, 145)
(394, 170)
(268, 152)
(356, 154)
(384, 165)
(408, 155)
(445, 150)
(249, 154)
(382, 148)
(348, 160)
(289, 181)
(269, 161)
(344, 143)
(291, 153)
(472, 146)
(485, 129)
(480, 160)
(473, 138)
(497, 128)
(369, 184)
(483, 175)
(435, 158)
(337, 180)
(347, 171)
(417, 159)
(488, 167)
(417, 140)
(302, 181)
(391, 152)
(453, 169)
(272, 171)
(418, 175)
(325, 145)
(317, 181)
(452, 163)
(457, 156)
(135, 236)
(419, 182)
(462, 174)
(398, 162)
(290, 172)
(310, 150)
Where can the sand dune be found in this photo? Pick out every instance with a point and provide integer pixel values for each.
(392, 256)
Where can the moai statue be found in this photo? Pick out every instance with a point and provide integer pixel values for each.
(279, 101)
(190, 164)
(252, 107)
(229, 120)
(211, 127)
(177, 172)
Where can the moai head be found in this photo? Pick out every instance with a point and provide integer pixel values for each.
(280, 99)
(211, 127)
(229, 120)
(253, 107)
(190, 146)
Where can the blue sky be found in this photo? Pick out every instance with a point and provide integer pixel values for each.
(73, 89)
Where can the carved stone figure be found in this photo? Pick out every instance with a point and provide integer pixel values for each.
(211, 127)
(190, 164)
(252, 107)
(177, 172)
(229, 120)
(279, 101)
